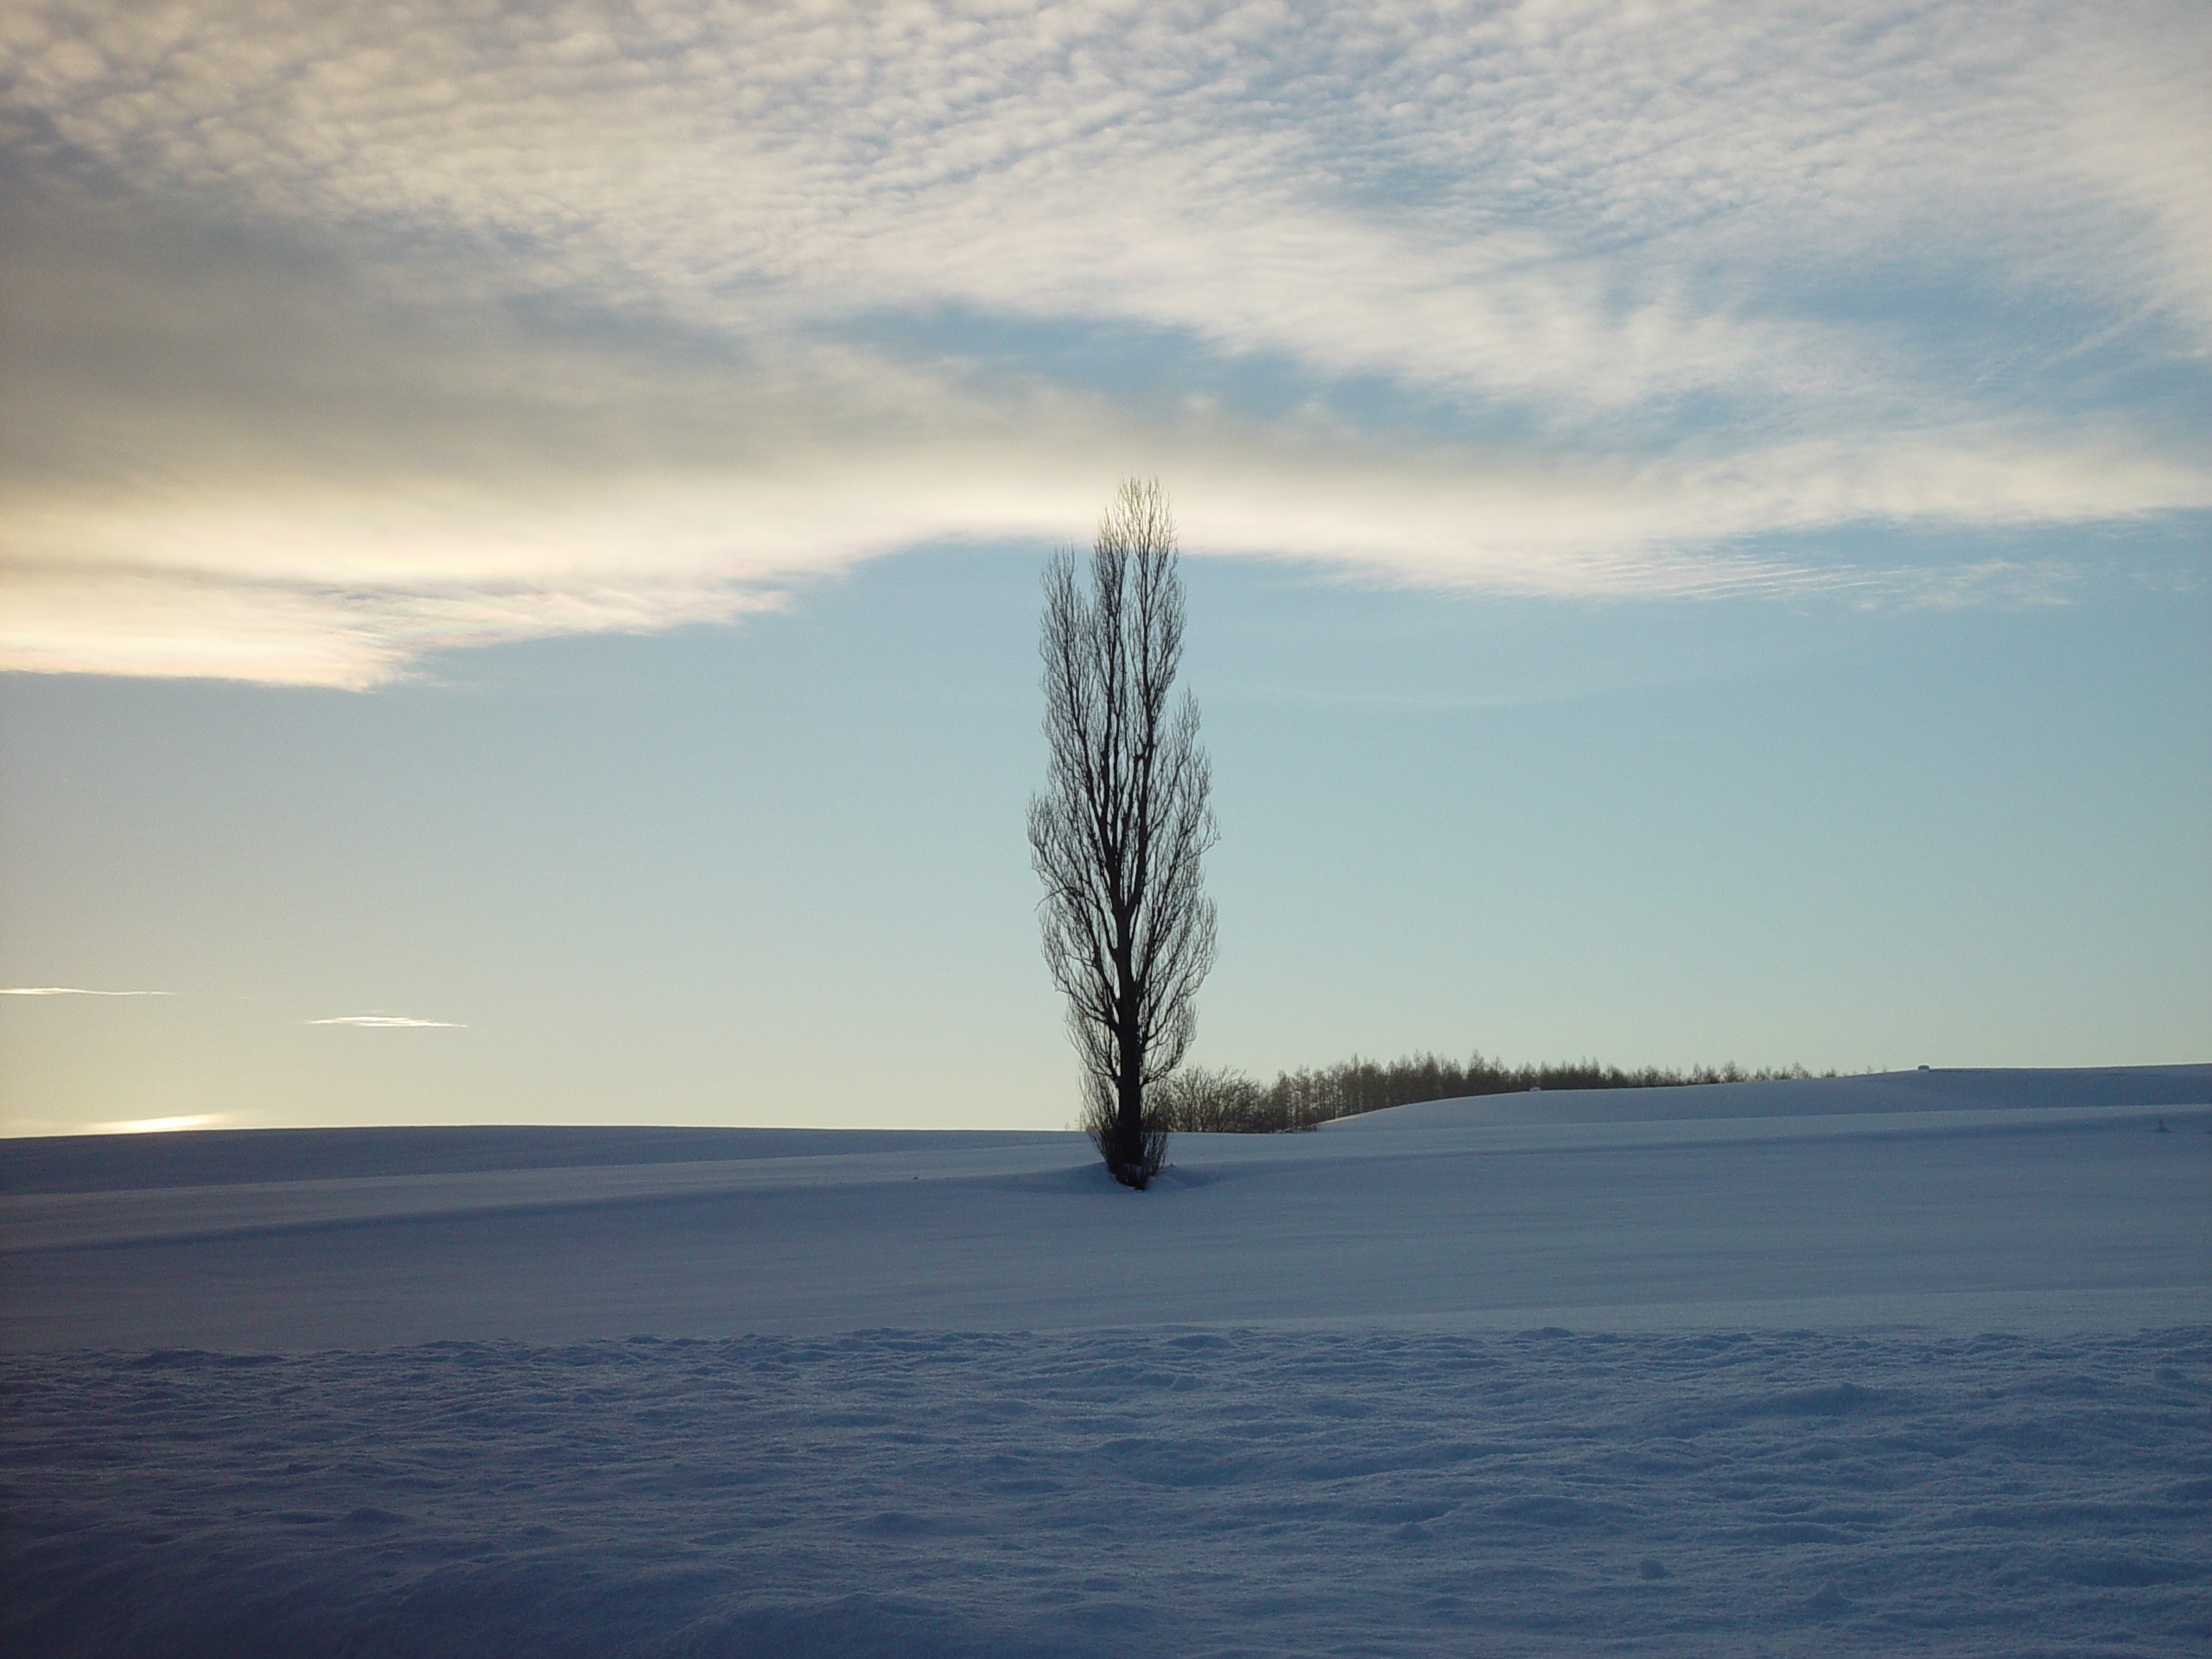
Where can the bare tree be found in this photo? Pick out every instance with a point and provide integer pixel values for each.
(1211, 1100)
(1120, 829)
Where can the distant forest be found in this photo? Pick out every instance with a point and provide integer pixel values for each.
(1199, 1100)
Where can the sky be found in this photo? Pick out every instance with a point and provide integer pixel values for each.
(523, 523)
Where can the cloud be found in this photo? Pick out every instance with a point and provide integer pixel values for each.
(341, 336)
(72, 990)
(157, 1125)
(385, 1020)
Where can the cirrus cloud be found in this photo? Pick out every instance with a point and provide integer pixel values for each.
(386, 1021)
(72, 990)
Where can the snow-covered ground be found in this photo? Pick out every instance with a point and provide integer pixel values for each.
(1919, 1363)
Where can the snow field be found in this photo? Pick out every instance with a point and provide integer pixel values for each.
(2032, 1221)
(1686, 1372)
(1155, 1491)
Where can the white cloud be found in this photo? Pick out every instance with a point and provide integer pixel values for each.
(72, 990)
(386, 1021)
(390, 332)
(2138, 123)
(157, 1125)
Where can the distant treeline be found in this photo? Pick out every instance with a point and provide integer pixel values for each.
(1199, 1099)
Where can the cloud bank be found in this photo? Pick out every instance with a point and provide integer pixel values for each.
(158, 1125)
(341, 334)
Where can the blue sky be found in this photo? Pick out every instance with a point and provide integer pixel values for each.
(528, 521)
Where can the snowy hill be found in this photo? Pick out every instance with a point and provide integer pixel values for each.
(1923, 1090)
(1853, 1366)
(2035, 1201)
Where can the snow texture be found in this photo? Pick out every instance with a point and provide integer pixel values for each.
(1157, 1491)
(1904, 1370)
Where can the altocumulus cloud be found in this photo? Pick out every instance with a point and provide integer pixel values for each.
(339, 334)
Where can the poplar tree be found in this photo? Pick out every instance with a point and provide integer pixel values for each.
(1118, 833)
